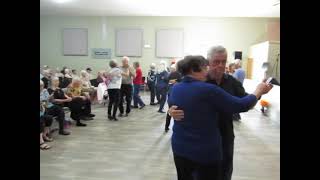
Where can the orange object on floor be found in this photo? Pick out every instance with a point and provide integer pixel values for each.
(264, 103)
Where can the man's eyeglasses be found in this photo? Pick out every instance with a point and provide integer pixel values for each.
(218, 62)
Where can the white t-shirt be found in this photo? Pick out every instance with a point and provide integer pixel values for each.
(115, 78)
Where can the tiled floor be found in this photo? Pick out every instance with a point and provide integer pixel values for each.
(136, 148)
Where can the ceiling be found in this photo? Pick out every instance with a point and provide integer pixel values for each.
(203, 8)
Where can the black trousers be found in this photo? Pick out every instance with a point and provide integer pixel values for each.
(45, 121)
(227, 162)
(114, 98)
(125, 92)
(152, 88)
(236, 117)
(168, 118)
(78, 108)
(57, 111)
(162, 96)
(190, 170)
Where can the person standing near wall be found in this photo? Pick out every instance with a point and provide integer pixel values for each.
(137, 82)
(240, 75)
(90, 76)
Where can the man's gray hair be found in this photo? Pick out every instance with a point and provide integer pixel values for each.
(214, 50)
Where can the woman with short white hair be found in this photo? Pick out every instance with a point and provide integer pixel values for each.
(114, 89)
(86, 85)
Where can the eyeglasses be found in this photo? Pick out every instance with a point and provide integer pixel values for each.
(218, 62)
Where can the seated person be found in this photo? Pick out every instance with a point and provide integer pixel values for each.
(80, 105)
(59, 98)
(52, 109)
(86, 85)
(46, 78)
(100, 77)
(45, 123)
(66, 79)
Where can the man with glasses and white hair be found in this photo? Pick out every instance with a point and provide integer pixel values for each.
(128, 73)
(217, 57)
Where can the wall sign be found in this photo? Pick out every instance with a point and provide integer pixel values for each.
(101, 53)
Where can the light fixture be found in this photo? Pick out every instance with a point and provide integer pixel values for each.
(276, 3)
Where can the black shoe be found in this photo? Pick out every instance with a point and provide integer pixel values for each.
(236, 119)
(86, 118)
(161, 111)
(64, 133)
(152, 104)
(110, 117)
(91, 115)
(114, 118)
(142, 106)
(126, 115)
(134, 106)
(81, 124)
(120, 115)
(167, 129)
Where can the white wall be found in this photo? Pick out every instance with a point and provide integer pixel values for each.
(200, 34)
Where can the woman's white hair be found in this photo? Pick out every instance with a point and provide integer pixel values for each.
(41, 83)
(153, 66)
(76, 79)
(163, 62)
(84, 73)
(55, 78)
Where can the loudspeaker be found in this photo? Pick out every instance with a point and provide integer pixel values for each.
(238, 55)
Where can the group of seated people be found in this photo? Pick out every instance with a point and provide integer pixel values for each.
(65, 88)
(53, 99)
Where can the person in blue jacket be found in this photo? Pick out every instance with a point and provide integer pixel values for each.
(162, 85)
(197, 136)
(151, 82)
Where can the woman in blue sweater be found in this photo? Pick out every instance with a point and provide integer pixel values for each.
(197, 136)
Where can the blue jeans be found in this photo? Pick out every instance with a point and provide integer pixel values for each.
(136, 98)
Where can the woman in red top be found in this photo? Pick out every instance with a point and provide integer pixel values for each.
(137, 82)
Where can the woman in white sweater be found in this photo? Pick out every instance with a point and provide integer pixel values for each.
(114, 89)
